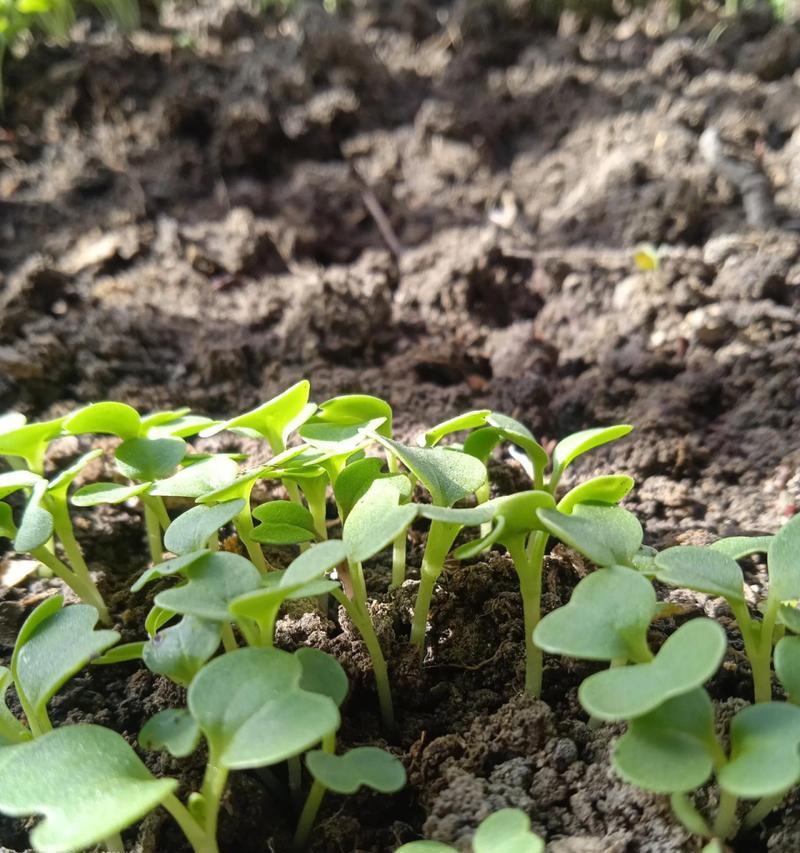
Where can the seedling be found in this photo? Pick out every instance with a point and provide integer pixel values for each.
(506, 831)
(53, 644)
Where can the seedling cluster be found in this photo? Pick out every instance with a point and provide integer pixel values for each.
(350, 492)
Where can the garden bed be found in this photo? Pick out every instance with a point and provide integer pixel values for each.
(197, 218)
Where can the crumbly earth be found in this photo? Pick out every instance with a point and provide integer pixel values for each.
(438, 203)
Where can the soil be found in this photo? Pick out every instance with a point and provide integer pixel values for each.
(438, 203)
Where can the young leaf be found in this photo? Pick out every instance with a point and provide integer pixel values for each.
(787, 666)
(283, 523)
(701, 569)
(147, 459)
(11, 729)
(366, 766)
(607, 535)
(575, 445)
(253, 711)
(36, 526)
(789, 615)
(156, 619)
(607, 618)
(738, 547)
(52, 649)
(182, 427)
(156, 419)
(238, 488)
(376, 520)
(783, 561)
(334, 437)
(110, 418)
(609, 489)
(198, 479)
(191, 530)
(173, 567)
(513, 431)
(13, 481)
(123, 653)
(86, 781)
(322, 674)
(60, 484)
(29, 442)
(687, 659)
(212, 583)
(354, 410)
(469, 420)
(181, 651)
(765, 751)
(506, 831)
(671, 749)
(174, 730)
(7, 526)
(107, 493)
(449, 475)
(276, 419)
(353, 482)
(314, 562)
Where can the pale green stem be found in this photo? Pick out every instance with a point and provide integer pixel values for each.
(153, 529)
(762, 678)
(762, 666)
(114, 844)
(529, 572)
(195, 834)
(213, 787)
(762, 808)
(244, 527)
(440, 538)
(688, 814)
(213, 542)
(360, 618)
(295, 778)
(725, 823)
(482, 494)
(399, 560)
(86, 592)
(228, 639)
(305, 823)
(359, 584)
(39, 724)
(293, 491)
(157, 504)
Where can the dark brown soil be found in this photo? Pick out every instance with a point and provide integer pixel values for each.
(190, 218)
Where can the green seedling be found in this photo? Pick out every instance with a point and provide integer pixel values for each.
(46, 515)
(24, 444)
(506, 831)
(53, 644)
(673, 749)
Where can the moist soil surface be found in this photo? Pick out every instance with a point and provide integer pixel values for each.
(438, 203)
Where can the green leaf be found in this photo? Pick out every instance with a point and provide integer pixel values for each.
(157, 419)
(335, 437)
(86, 781)
(11, 729)
(173, 730)
(213, 582)
(7, 526)
(109, 418)
(507, 831)
(156, 619)
(570, 448)
(610, 489)
(425, 847)
(60, 483)
(198, 479)
(180, 652)
(274, 420)
(607, 618)
(738, 547)
(469, 420)
(174, 566)
(182, 427)
(354, 481)
(517, 433)
(366, 766)
(687, 659)
(671, 749)
(479, 444)
(787, 666)
(146, 459)
(376, 520)
(314, 562)
(449, 475)
(519, 511)
(253, 711)
(322, 674)
(107, 493)
(30, 442)
(468, 516)
(14, 481)
(283, 523)
(783, 560)
(123, 653)
(607, 535)
(765, 751)
(238, 488)
(354, 410)
(192, 529)
(702, 570)
(789, 615)
(36, 525)
(52, 649)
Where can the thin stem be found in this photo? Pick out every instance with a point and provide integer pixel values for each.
(315, 796)
(399, 560)
(228, 639)
(440, 537)
(725, 823)
(482, 494)
(244, 527)
(213, 786)
(153, 529)
(86, 592)
(762, 666)
(359, 584)
(160, 509)
(195, 834)
(295, 778)
(39, 724)
(528, 564)
(360, 618)
(114, 844)
(762, 808)
(687, 813)
(748, 630)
